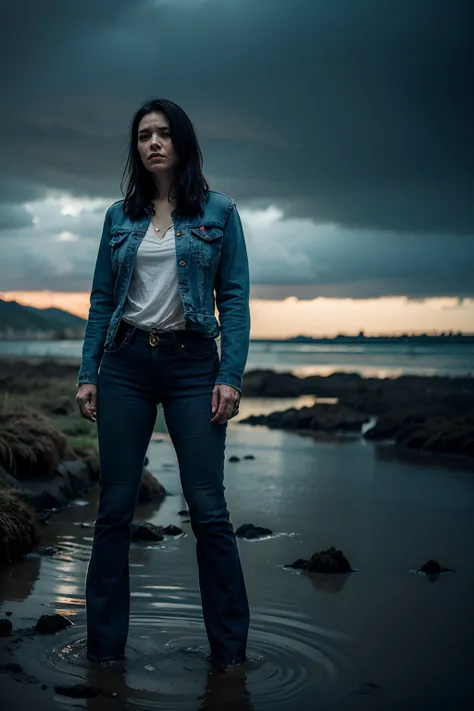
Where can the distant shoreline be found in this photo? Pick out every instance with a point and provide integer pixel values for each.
(455, 339)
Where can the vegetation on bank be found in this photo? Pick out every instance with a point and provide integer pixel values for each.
(40, 426)
(19, 531)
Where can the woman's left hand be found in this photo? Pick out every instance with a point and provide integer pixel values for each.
(225, 403)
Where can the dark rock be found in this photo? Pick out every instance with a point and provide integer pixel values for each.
(6, 627)
(12, 667)
(151, 489)
(78, 475)
(248, 530)
(184, 512)
(9, 614)
(80, 691)
(319, 417)
(432, 567)
(49, 497)
(268, 383)
(299, 564)
(172, 530)
(234, 459)
(44, 687)
(50, 624)
(249, 456)
(146, 532)
(48, 550)
(255, 420)
(329, 561)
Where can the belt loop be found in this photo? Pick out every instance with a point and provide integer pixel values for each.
(132, 333)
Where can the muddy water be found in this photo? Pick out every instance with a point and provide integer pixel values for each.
(381, 638)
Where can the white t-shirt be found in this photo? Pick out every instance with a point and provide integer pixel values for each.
(153, 299)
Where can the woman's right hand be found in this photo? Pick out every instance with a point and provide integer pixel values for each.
(87, 400)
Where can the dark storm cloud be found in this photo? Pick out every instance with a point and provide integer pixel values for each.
(357, 113)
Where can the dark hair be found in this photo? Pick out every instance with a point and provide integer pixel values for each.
(189, 189)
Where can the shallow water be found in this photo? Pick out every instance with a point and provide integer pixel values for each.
(380, 638)
(378, 360)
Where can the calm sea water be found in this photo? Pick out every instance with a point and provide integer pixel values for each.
(380, 639)
(370, 360)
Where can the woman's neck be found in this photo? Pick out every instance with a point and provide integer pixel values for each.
(162, 188)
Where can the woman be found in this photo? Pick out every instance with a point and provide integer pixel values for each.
(150, 338)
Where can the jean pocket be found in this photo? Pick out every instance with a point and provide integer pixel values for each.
(204, 349)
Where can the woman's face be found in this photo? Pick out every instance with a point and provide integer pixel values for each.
(154, 143)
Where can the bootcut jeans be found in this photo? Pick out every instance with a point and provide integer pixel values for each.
(178, 371)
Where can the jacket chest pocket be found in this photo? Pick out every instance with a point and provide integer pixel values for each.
(206, 245)
(118, 246)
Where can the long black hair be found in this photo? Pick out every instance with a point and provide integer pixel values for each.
(189, 189)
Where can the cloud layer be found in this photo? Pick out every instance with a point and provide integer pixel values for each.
(354, 119)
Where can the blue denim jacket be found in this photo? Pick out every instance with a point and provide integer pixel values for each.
(211, 258)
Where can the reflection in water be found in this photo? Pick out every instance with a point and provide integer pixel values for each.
(221, 692)
(307, 649)
(331, 584)
(18, 581)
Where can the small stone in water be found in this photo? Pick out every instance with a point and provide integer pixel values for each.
(248, 530)
(329, 561)
(49, 624)
(432, 567)
(234, 459)
(249, 456)
(5, 628)
(172, 530)
(146, 531)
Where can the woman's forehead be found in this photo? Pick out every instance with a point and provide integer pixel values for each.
(157, 119)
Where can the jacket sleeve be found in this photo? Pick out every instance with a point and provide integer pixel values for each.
(100, 310)
(232, 286)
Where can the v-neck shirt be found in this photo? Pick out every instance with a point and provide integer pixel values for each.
(153, 300)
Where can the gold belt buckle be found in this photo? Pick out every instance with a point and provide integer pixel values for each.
(153, 339)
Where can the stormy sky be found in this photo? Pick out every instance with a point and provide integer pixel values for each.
(342, 128)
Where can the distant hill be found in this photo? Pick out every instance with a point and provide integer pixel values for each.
(14, 316)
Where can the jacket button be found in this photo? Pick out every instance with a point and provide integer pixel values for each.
(178, 234)
(182, 263)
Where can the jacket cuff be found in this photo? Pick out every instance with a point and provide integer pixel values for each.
(233, 382)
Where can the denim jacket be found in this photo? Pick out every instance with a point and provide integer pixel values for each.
(212, 269)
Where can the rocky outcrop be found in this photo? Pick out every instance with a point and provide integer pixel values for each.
(268, 383)
(319, 417)
(430, 414)
(427, 434)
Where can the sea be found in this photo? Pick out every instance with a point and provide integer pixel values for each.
(369, 360)
(382, 638)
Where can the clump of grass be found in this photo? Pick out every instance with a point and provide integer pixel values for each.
(19, 532)
(30, 444)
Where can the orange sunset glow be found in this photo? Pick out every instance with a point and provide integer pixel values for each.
(312, 317)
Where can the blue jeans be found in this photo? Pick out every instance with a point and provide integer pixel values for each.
(179, 371)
